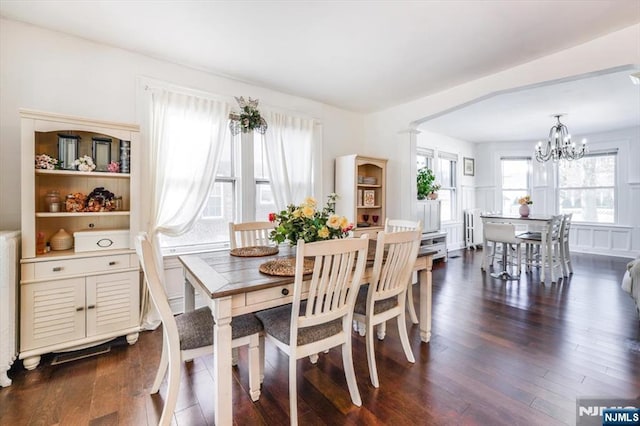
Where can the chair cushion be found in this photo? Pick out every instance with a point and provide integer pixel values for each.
(379, 307)
(196, 328)
(531, 236)
(277, 323)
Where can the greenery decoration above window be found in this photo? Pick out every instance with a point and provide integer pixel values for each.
(249, 119)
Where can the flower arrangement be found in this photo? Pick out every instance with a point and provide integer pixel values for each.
(46, 162)
(113, 167)
(525, 200)
(84, 164)
(249, 118)
(307, 222)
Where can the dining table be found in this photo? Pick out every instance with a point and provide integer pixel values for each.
(540, 222)
(234, 285)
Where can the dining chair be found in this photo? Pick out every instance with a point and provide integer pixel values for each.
(250, 234)
(323, 321)
(565, 254)
(247, 234)
(549, 247)
(505, 234)
(384, 298)
(397, 225)
(190, 335)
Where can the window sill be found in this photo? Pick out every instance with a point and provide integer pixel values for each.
(200, 248)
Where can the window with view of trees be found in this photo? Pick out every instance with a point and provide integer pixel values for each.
(586, 188)
(516, 182)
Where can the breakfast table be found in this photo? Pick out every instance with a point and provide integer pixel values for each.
(234, 285)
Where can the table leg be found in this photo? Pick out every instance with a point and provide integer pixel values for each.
(543, 254)
(424, 277)
(189, 296)
(221, 311)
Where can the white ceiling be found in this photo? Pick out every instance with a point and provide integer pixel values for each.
(592, 104)
(359, 55)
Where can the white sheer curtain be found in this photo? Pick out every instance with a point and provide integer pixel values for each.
(289, 152)
(186, 136)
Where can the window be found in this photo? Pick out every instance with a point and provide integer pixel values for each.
(586, 188)
(424, 158)
(516, 182)
(446, 177)
(211, 230)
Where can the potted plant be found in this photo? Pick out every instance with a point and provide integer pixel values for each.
(426, 183)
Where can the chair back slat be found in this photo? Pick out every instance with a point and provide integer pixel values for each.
(399, 225)
(333, 285)
(250, 234)
(566, 226)
(396, 253)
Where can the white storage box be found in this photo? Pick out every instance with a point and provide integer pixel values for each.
(101, 239)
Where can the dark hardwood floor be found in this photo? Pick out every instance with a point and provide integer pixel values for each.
(502, 353)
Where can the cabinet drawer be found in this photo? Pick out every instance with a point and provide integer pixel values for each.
(58, 268)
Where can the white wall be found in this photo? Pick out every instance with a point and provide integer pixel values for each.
(386, 131)
(54, 72)
(466, 184)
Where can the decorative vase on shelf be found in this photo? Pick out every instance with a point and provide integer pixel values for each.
(61, 240)
(524, 210)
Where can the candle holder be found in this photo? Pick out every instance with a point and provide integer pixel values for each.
(375, 218)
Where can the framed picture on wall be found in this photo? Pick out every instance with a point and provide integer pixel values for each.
(469, 166)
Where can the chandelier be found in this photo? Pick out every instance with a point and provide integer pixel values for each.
(248, 119)
(559, 145)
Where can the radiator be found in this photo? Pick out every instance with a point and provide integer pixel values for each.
(9, 256)
(472, 228)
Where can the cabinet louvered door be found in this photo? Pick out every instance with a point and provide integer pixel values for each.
(112, 302)
(52, 312)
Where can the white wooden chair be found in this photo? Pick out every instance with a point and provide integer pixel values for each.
(397, 225)
(250, 234)
(190, 335)
(323, 321)
(565, 254)
(550, 248)
(384, 298)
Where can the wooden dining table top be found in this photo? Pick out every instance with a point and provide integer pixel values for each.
(222, 274)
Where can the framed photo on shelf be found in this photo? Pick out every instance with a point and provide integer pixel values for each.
(469, 166)
(369, 198)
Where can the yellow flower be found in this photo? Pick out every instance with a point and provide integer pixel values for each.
(344, 222)
(297, 213)
(308, 211)
(334, 221)
(311, 202)
(323, 232)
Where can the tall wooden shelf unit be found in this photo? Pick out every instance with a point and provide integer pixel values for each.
(355, 176)
(71, 300)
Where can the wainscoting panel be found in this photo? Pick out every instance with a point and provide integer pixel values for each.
(455, 234)
(605, 240)
(174, 285)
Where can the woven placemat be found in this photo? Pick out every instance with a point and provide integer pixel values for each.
(285, 267)
(255, 251)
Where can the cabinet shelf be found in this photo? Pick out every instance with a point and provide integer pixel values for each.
(76, 173)
(82, 214)
(351, 173)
